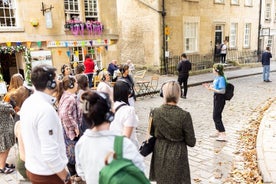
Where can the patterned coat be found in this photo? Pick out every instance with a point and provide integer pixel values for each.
(173, 128)
(7, 138)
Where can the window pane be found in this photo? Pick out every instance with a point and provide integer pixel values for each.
(234, 1)
(71, 10)
(233, 35)
(190, 37)
(248, 2)
(91, 10)
(7, 16)
(247, 33)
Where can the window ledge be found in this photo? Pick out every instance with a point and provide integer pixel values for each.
(11, 29)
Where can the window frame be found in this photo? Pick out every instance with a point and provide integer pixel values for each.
(219, 1)
(248, 3)
(191, 36)
(267, 12)
(235, 3)
(247, 35)
(233, 35)
(93, 4)
(11, 11)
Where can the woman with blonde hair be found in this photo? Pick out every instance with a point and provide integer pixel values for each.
(173, 129)
(19, 96)
(104, 85)
(16, 81)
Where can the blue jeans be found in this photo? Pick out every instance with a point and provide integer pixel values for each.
(266, 71)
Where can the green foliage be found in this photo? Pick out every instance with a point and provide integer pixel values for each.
(28, 67)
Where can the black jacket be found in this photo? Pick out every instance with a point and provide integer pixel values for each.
(184, 67)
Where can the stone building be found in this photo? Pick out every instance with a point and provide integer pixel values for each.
(268, 25)
(152, 33)
(190, 26)
(56, 32)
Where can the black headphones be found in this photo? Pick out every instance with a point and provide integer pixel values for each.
(63, 68)
(51, 83)
(103, 78)
(109, 116)
(71, 82)
(161, 89)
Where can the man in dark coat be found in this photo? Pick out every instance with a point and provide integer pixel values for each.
(183, 67)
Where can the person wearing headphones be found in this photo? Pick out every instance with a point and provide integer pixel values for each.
(65, 71)
(126, 120)
(218, 87)
(98, 140)
(70, 114)
(41, 129)
(104, 85)
(126, 77)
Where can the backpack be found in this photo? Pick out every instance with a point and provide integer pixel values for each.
(121, 170)
(229, 91)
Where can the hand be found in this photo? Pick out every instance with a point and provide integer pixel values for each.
(77, 132)
(206, 85)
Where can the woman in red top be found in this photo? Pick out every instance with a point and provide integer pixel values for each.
(89, 68)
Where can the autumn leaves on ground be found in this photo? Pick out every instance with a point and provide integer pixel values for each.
(245, 166)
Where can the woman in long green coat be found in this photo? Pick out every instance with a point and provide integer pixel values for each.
(173, 129)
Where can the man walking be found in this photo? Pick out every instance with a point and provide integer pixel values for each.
(266, 55)
(42, 133)
(183, 67)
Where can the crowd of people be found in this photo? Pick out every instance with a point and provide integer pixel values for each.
(65, 128)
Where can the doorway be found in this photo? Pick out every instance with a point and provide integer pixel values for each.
(8, 66)
(218, 42)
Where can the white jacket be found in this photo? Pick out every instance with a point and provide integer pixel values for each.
(92, 149)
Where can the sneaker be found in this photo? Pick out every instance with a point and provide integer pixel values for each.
(221, 138)
(214, 135)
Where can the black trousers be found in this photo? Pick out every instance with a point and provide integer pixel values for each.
(219, 103)
(183, 80)
(223, 57)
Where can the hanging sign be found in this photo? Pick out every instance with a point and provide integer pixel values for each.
(41, 57)
(3, 88)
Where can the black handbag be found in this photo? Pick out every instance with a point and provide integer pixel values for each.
(148, 145)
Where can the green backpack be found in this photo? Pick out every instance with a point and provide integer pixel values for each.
(121, 170)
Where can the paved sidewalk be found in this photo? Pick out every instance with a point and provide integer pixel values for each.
(266, 148)
(266, 145)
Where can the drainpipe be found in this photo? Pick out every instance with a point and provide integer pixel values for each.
(259, 33)
(163, 13)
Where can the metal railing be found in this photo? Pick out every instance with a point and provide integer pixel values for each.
(201, 62)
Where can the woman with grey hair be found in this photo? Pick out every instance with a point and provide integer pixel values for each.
(173, 128)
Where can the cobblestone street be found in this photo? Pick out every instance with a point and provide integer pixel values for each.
(210, 160)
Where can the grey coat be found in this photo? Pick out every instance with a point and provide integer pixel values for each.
(7, 138)
(173, 128)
